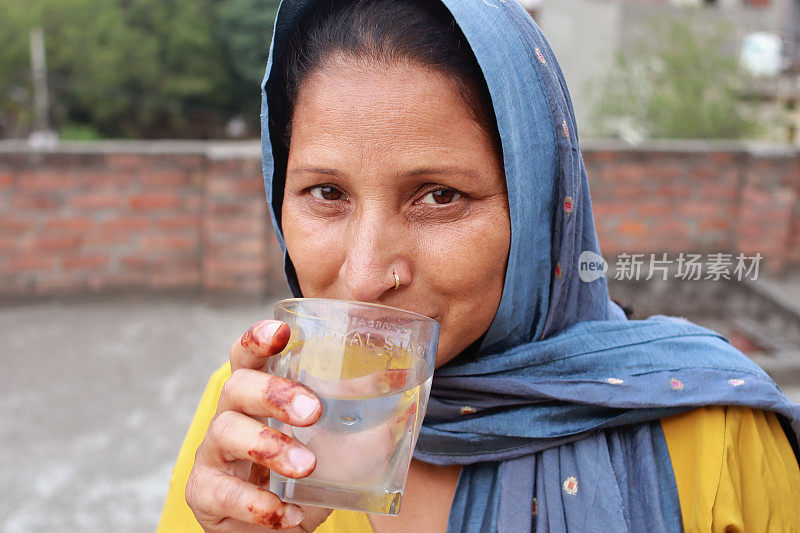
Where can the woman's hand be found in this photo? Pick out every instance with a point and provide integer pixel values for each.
(224, 492)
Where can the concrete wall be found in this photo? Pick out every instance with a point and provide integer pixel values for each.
(157, 216)
(586, 34)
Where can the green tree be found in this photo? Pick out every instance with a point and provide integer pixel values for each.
(137, 68)
(244, 30)
(678, 83)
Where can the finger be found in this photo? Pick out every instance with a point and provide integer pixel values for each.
(228, 499)
(233, 435)
(262, 340)
(256, 393)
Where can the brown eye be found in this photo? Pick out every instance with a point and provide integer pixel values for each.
(442, 196)
(326, 192)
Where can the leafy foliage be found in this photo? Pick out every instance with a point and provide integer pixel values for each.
(137, 68)
(679, 83)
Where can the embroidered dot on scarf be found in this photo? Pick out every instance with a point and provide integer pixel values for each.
(570, 486)
(565, 129)
(558, 270)
(676, 384)
(568, 205)
(540, 57)
(614, 381)
(467, 410)
(736, 382)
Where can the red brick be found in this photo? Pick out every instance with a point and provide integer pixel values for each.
(127, 162)
(94, 201)
(183, 279)
(633, 228)
(56, 243)
(70, 223)
(124, 280)
(106, 237)
(249, 247)
(34, 201)
(653, 209)
(233, 185)
(674, 190)
(14, 224)
(223, 210)
(714, 225)
(180, 222)
(170, 243)
(216, 284)
(695, 210)
(86, 261)
(631, 192)
(191, 204)
(165, 178)
(626, 172)
(601, 156)
(9, 244)
(27, 261)
(228, 266)
(45, 180)
(131, 222)
(154, 201)
(604, 209)
(103, 179)
(143, 262)
(665, 173)
(704, 173)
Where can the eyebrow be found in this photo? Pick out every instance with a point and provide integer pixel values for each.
(423, 171)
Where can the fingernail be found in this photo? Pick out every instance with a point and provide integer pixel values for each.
(292, 516)
(301, 458)
(268, 330)
(303, 406)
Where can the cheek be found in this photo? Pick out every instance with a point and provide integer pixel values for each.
(465, 267)
(314, 247)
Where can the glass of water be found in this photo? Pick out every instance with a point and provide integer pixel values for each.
(371, 366)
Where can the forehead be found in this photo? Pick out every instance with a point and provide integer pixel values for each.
(357, 101)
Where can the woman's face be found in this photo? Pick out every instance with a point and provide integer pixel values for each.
(388, 172)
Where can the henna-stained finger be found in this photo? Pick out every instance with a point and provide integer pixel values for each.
(232, 498)
(262, 340)
(233, 435)
(258, 394)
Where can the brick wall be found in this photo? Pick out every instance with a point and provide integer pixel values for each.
(701, 197)
(122, 216)
(192, 216)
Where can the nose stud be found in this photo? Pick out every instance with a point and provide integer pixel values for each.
(396, 280)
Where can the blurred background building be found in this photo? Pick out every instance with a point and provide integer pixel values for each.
(135, 245)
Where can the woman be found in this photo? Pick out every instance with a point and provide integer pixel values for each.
(434, 166)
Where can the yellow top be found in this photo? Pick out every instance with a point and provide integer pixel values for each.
(734, 467)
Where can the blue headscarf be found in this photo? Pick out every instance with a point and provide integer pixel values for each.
(557, 420)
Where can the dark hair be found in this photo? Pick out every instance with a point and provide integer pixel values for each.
(626, 307)
(383, 31)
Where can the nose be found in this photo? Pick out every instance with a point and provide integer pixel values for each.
(374, 252)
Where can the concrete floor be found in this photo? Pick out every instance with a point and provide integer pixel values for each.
(95, 399)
